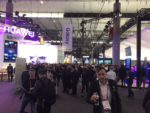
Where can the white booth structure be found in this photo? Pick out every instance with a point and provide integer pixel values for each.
(13, 45)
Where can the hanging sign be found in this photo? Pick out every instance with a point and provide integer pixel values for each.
(67, 37)
(14, 30)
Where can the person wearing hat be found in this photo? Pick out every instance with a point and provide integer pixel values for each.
(74, 78)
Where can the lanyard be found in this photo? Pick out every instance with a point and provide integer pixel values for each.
(30, 81)
(102, 93)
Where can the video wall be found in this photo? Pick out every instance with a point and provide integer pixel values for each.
(10, 51)
(38, 53)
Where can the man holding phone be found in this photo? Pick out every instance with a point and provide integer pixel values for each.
(103, 94)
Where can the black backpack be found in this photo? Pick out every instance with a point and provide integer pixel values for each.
(48, 93)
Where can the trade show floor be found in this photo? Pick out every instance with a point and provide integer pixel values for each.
(10, 103)
(133, 85)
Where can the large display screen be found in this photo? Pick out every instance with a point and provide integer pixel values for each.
(128, 51)
(38, 59)
(107, 62)
(10, 51)
(128, 63)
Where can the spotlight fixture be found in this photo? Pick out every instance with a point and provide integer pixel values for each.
(23, 15)
(108, 23)
(54, 21)
(17, 13)
(30, 20)
(117, 13)
(106, 30)
(106, 26)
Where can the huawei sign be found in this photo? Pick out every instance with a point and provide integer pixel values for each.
(23, 32)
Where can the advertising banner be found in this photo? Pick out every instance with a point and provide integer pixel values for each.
(20, 67)
(128, 63)
(67, 37)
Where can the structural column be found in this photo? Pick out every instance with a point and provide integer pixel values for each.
(9, 11)
(60, 55)
(116, 36)
(138, 50)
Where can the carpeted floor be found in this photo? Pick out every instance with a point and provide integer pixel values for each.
(10, 103)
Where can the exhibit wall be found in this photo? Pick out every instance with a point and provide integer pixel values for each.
(38, 53)
(131, 41)
(7, 37)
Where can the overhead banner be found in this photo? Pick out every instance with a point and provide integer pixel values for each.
(67, 37)
(20, 67)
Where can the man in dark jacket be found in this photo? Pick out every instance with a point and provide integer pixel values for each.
(10, 72)
(58, 73)
(107, 92)
(146, 101)
(28, 85)
(142, 77)
(122, 74)
(25, 74)
(75, 78)
(64, 79)
(43, 106)
(130, 78)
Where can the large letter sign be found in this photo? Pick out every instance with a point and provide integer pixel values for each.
(23, 32)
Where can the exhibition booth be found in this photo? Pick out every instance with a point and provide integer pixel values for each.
(128, 51)
(14, 45)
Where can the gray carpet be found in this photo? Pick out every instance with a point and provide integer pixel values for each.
(10, 103)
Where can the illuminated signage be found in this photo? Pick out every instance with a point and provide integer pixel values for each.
(15, 30)
(86, 56)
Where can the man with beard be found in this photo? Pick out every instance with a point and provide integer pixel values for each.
(103, 94)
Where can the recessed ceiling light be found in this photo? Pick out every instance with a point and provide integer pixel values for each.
(41, 2)
(54, 21)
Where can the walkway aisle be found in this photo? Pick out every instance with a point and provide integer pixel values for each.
(10, 103)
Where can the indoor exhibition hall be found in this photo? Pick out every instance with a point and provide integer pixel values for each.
(74, 56)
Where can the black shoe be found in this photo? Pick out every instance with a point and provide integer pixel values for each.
(67, 91)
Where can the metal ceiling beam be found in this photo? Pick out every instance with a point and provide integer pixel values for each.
(90, 15)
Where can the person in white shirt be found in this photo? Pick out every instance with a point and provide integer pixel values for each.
(111, 74)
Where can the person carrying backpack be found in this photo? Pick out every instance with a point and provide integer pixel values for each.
(45, 92)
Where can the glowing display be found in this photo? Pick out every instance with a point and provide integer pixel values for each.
(14, 30)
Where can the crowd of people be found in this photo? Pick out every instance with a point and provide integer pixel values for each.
(40, 78)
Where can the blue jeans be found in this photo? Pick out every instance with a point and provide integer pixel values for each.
(24, 103)
(130, 92)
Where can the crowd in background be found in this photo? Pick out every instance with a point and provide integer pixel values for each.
(73, 74)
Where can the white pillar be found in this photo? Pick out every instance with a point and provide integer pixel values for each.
(60, 55)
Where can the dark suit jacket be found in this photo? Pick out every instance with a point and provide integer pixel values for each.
(131, 77)
(10, 70)
(74, 76)
(122, 73)
(25, 76)
(146, 102)
(115, 99)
